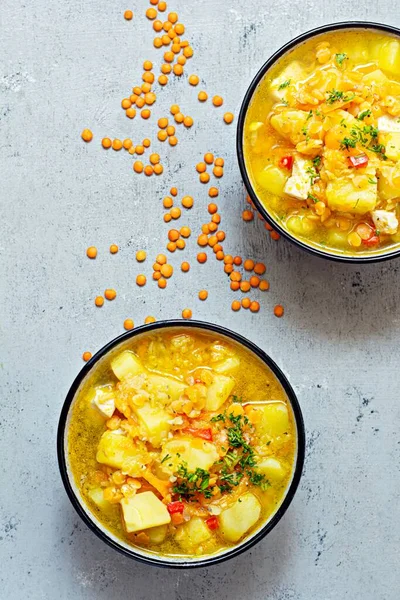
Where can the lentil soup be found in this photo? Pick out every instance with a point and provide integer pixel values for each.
(322, 142)
(182, 443)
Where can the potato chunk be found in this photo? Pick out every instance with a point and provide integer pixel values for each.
(345, 196)
(240, 517)
(272, 179)
(193, 533)
(119, 451)
(290, 123)
(275, 419)
(127, 364)
(143, 511)
(389, 182)
(195, 452)
(157, 534)
(155, 423)
(161, 384)
(219, 391)
(389, 56)
(227, 365)
(272, 469)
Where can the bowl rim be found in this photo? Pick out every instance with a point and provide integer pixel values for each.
(297, 472)
(239, 138)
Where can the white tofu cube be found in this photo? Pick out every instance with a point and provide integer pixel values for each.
(388, 124)
(103, 400)
(143, 511)
(385, 221)
(299, 184)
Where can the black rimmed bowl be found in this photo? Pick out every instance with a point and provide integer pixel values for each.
(89, 517)
(315, 250)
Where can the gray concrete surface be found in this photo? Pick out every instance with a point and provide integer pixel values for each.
(66, 66)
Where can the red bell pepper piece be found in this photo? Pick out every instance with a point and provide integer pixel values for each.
(287, 162)
(175, 507)
(372, 241)
(359, 161)
(212, 523)
(205, 434)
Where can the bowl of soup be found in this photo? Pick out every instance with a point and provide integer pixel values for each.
(181, 444)
(319, 141)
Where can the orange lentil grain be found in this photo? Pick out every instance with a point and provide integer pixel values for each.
(248, 264)
(106, 143)
(218, 171)
(91, 252)
(145, 114)
(173, 140)
(182, 60)
(202, 240)
(139, 149)
(141, 255)
(279, 310)
(117, 144)
(202, 257)
(127, 143)
(138, 166)
(212, 240)
(202, 96)
(201, 167)
(246, 302)
(157, 25)
(219, 162)
(274, 235)
(179, 29)
(185, 232)
(130, 113)
(228, 118)
(167, 218)
(129, 324)
(213, 192)
(162, 135)
(212, 208)
(204, 177)
(175, 212)
(157, 42)
(173, 191)
(216, 219)
(168, 202)
(147, 65)
(128, 15)
(193, 79)
(162, 6)
(205, 228)
(247, 215)
(237, 260)
(149, 319)
(151, 13)
(167, 270)
(185, 266)
(245, 286)
(171, 130)
(162, 283)
(114, 248)
(254, 306)
(203, 295)
(254, 281)
(178, 69)
(140, 102)
(234, 285)
(158, 169)
(188, 121)
(235, 276)
(217, 101)
(209, 158)
(154, 158)
(228, 260)
(220, 235)
(259, 268)
(146, 143)
(174, 109)
(110, 294)
(173, 17)
(268, 227)
(180, 244)
(219, 255)
(235, 305)
(163, 80)
(166, 69)
(99, 301)
(156, 275)
(161, 259)
(141, 280)
(148, 77)
(212, 226)
(186, 313)
(173, 235)
(187, 201)
(148, 170)
(188, 51)
(162, 123)
(86, 356)
(87, 135)
(228, 269)
(264, 285)
(179, 117)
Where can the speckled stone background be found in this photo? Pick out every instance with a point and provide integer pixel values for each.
(66, 66)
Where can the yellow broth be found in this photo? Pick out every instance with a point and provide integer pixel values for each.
(172, 415)
(322, 142)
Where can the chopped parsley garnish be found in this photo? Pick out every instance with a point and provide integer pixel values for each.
(379, 149)
(363, 114)
(237, 399)
(336, 96)
(166, 457)
(313, 198)
(372, 181)
(191, 482)
(312, 173)
(285, 84)
(340, 58)
(217, 418)
(347, 143)
(310, 114)
(317, 161)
